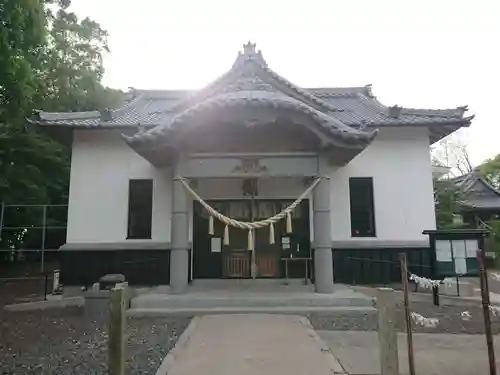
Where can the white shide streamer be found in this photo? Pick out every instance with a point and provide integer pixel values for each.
(495, 276)
(427, 283)
(423, 321)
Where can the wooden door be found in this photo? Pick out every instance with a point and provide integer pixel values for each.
(236, 264)
(236, 258)
(267, 255)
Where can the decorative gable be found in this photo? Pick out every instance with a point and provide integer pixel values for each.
(250, 73)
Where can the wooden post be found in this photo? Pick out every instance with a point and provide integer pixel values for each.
(116, 333)
(408, 322)
(485, 299)
(387, 336)
(2, 214)
(435, 295)
(44, 235)
(46, 286)
(129, 294)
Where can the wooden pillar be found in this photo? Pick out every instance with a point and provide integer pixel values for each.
(387, 337)
(116, 333)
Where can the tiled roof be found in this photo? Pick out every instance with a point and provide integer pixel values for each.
(261, 99)
(477, 192)
(346, 111)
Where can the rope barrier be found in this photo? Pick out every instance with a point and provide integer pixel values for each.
(433, 322)
(250, 226)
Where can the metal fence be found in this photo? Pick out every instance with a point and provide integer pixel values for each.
(31, 234)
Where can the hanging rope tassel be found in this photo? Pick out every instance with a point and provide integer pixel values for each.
(226, 235)
(288, 222)
(271, 234)
(253, 225)
(250, 239)
(211, 225)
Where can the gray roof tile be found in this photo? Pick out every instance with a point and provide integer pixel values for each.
(477, 192)
(338, 108)
(263, 99)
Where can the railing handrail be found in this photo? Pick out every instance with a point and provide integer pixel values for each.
(388, 261)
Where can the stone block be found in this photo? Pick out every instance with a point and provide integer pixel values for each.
(108, 281)
(96, 303)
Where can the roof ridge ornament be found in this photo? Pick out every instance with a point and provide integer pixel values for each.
(250, 53)
(369, 90)
(106, 114)
(462, 109)
(395, 111)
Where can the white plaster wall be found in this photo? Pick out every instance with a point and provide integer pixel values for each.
(399, 162)
(101, 166)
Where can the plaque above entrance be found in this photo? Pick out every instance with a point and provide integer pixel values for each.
(250, 166)
(224, 166)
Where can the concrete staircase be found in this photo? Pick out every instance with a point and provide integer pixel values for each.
(247, 296)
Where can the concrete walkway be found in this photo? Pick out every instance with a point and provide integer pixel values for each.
(250, 344)
(435, 354)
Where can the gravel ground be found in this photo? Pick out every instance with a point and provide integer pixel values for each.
(63, 341)
(450, 320)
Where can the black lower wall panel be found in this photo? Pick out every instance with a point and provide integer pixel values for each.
(140, 267)
(379, 266)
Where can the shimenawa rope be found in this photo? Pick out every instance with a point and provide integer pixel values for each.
(250, 226)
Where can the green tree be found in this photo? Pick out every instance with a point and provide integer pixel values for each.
(72, 64)
(49, 60)
(22, 38)
(22, 153)
(452, 152)
(447, 198)
(491, 171)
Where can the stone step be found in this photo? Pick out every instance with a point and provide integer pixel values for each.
(274, 283)
(250, 299)
(292, 310)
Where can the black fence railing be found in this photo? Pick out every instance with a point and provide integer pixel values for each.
(390, 270)
(379, 266)
(393, 276)
(31, 233)
(21, 288)
(140, 266)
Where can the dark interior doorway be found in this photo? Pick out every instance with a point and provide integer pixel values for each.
(211, 259)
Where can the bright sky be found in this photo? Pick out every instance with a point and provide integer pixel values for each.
(425, 53)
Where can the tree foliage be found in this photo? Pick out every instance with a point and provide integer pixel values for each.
(491, 171)
(447, 197)
(22, 36)
(72, 64)
(452, 152)
(49, 60)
